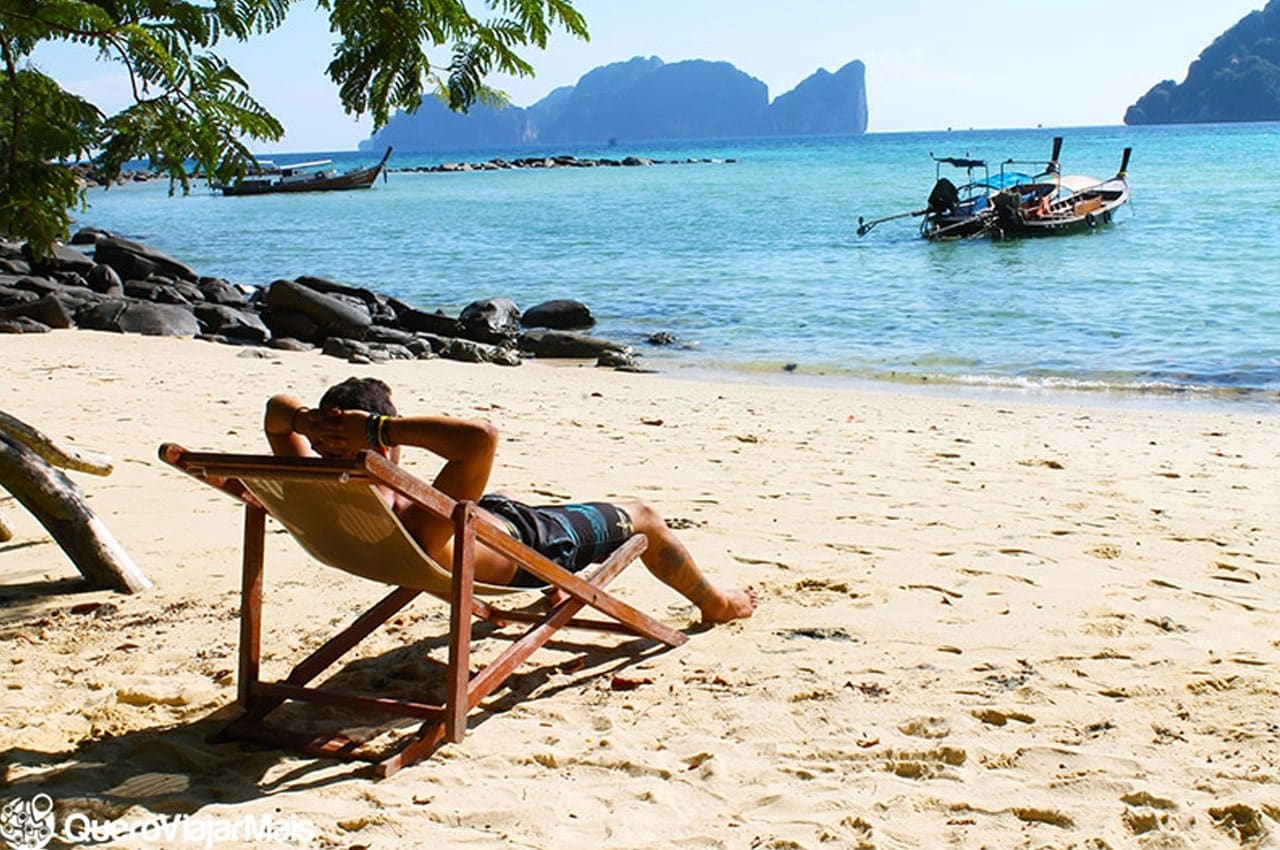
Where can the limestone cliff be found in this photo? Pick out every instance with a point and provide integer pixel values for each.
(644, 99)
(1237, 78)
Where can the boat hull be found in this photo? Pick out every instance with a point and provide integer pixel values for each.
(1028, 212)
(361, 178)
(1081, 211)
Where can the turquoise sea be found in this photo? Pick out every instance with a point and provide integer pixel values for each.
(754, 263)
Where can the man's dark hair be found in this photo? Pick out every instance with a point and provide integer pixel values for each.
(367, 394)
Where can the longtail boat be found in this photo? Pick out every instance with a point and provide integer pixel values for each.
(1015, 200)
(305, 177)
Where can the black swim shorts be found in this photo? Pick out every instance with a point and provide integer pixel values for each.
(573, 535)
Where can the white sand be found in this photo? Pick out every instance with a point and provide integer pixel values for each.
(983, 623)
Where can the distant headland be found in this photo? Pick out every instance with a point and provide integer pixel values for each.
(644, 99)
(1237, 78)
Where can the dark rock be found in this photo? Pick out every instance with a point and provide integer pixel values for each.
(185, 288)
(492, 320)
(14, 266)
(142, 317)
(61, 258)
(23, 325)
(561, 314)
(75, 300)
(88, 236)
(47, 310)
(662, 338)
(469, 351)
(288, 343)
(506, 357)
(376, 305)
(332, 316)
(382, 333)
(434, 343)
(367, 352)
(10, 296)
(290, 324)
(240, 325)
(133, 261)
(218, 291)
(161, 292)
(412, 319)
(38, 285)
(554, 344)
(611, 359)
(421, 347)
(104, 280)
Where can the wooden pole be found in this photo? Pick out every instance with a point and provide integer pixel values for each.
(58, 504)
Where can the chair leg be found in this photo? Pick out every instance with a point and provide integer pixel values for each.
(461, 592)
(255, 519)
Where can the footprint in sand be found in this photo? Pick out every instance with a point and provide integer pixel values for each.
(816, 592)
(992, 717)
(923, 764)
(926, 727)
(1049, 816)
(1241, 822)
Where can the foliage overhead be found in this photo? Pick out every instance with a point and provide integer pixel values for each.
(191, 112)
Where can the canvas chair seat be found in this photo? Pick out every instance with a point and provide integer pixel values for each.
(353, 529)
(336, 511)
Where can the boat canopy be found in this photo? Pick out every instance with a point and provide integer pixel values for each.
(960, 162)
(1005, 179)
(1078, 182)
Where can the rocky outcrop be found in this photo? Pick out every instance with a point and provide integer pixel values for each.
(823, 104)
(1237, 78)
(644, 99)
(125, 287)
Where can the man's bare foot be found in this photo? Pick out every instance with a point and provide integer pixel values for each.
(732, 605)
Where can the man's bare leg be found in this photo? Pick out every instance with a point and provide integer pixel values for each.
(669, 560)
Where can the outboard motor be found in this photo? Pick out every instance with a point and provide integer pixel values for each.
(944, 198)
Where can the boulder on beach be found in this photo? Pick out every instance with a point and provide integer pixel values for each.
(134, 261)
(139, 317)
(549, 344)
(331, 316)
(560, 314)
(492, 320)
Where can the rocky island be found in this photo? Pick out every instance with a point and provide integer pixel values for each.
(1237, 78)
(644, 99)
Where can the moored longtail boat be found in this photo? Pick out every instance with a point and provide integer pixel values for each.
(303, 177)
(1014, 201)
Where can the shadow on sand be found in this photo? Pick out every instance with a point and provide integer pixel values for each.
(180, 770)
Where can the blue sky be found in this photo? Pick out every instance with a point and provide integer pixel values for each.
(930, 64)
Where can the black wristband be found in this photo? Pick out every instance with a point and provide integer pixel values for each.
(371, 432)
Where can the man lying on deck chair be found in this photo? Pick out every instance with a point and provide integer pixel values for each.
(358, 414)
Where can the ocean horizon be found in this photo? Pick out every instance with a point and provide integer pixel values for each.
(745, 250)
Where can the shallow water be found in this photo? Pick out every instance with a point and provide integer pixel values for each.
(754, 264)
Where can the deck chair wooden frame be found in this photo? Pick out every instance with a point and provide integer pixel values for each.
(347, 489)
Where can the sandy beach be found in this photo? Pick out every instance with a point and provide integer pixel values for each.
(984, 622)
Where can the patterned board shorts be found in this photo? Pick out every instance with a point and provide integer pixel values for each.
(573, 535)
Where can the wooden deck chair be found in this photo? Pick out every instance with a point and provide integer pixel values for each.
(333, 509)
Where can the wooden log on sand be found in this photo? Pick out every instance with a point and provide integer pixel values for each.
(27, 459)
